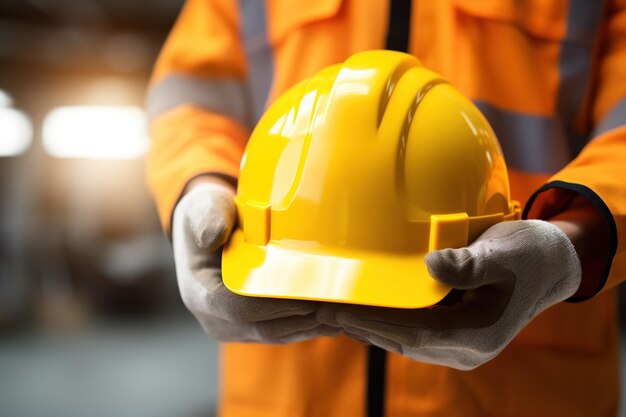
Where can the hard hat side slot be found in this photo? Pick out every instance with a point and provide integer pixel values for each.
(448, 231)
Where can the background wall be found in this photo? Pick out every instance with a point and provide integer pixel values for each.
(90, 318)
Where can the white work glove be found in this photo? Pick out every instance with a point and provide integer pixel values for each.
(511, 273)
(203, 221)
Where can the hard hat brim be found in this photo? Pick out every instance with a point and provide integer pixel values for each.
(286, 270)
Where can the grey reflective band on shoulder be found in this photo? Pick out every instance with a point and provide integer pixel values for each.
(225, 96)
(542, 144)
(529, 142)
(243, 101)
(258, 51)
(583, 24)
(614, 119)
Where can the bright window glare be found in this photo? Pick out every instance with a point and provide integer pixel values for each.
(96, 132)
(16, 132)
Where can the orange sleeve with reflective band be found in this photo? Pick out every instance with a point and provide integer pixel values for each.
(204, 41)
(187, 142)
(188, 139)
(611, 87)
(599, 170)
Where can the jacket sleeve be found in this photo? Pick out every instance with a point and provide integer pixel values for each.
(197, 102)
(599, 171)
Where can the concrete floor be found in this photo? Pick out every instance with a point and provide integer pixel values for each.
(162, 368)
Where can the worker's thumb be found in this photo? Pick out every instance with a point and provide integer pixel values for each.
(464, 269)
(210, 215)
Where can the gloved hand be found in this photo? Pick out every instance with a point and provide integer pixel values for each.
(203, 221)
(511, 273)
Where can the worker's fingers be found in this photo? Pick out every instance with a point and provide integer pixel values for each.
(356, 336)
(478, 308)
(457, 356)
(285, 330)
(457, 348)
(235, 308)
(293, 329)
(368, 338)
(481, 309)
(398, 331)
(204, 293)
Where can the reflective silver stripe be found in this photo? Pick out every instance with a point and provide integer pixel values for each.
(530, 143)
(615, 118)
(221, 95)
(583, 23)
(542, 144)
(258, 52)
(244, 101)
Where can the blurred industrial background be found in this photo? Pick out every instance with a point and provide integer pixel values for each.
(90, 319)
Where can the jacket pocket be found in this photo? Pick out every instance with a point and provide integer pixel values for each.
(289, 16)
(542, 19)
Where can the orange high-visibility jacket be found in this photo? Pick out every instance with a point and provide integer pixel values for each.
(550, 76)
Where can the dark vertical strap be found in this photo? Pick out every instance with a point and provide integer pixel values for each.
(398, 30)
(376, 369)
(584, 19)
(399, 25)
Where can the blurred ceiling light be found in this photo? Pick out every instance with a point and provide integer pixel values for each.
(96, 132)
(16, 132)
(5, 99)
(111, 91)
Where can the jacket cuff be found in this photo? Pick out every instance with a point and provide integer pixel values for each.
(554, 198)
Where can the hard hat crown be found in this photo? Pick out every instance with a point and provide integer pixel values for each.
(377, 155)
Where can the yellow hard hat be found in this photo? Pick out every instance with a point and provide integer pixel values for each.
(353, 175)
